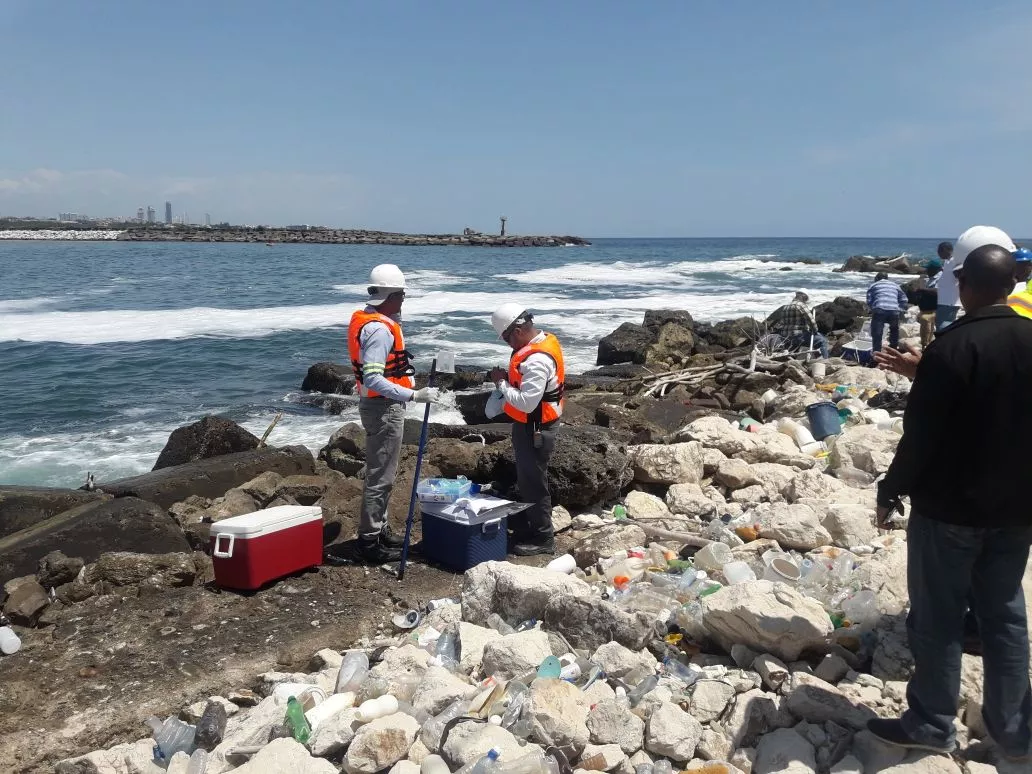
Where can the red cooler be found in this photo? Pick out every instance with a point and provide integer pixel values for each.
(249, 551)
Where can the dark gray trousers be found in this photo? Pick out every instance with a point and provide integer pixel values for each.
(532, 480)
(948, 566)
(384, 424)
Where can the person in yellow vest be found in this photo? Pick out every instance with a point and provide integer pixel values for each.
(383, 375)
(1021, 299)
(533, 390)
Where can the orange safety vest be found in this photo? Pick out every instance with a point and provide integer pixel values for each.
(1022, 302)
(398, 368)
(551, 406)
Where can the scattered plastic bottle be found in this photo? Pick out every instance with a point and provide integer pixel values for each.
(662, 766)
(621, 697)
(619, 512)
(527, 625)
(198, 763)
(448, 650)
(353, 670)
(644, 768)
(170, 737)
(434, 728)
(531, 763)
(485, 765)
(211, 727)
(516, 695)
(498, 623)
(300, 729)
(688, 674)
(376, 708)
(635, 695)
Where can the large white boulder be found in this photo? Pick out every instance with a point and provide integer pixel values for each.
(810, 698)
(560, 713)
(767, 617)
(380, 744)
(610, 723)
(516, 654)
(865, 448)
(438, 689)
(472, 640)
(469, 742)
(735, 474)
(717, 433)
(643, 505)
(710, 698)
(676, 463)
(617, 661)
(516, 592)
(849, 525)
(672, 733)
(784, 752)
(283, 755)
(885, 573)
(793, 526)
(690, 500)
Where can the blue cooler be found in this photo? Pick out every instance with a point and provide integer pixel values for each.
(459, 539)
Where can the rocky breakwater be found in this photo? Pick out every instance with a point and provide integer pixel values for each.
(70, 235)
(893, 264)
(342, 237)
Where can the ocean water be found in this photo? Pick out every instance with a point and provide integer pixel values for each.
(106, 347)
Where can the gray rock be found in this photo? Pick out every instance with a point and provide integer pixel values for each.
(642, 505)
(735, 474)
(116, 760)
(690, 500)
(832, 668)
(515, 592)
(405, 767)
(609, 723)
(866, 448)
(850, 765)
(26, 602)
(123, 568)
(560, 714)
(677, 463)
(589, 622)
(516, 654)
(472, 640)
(210, 436)
(793, 526)
(772, 671)
(710, 698)
(617, 661)
(892, 659)
(769, 618)
(784, 752)
(469, 742)
(813, 699)
(611, 756)
(673, 733)
(262, 488)
(928, 763)
(561, 519)
(56, 569)
(26, 506)
(713, 746)
(850, 525)
(438, 689)
(874, 754)
(608, 541)
(380, 744)
(753, 714)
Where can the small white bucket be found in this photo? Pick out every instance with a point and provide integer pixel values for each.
(818, 370)
(782, 570)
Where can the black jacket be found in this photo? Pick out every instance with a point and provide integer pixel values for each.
(965, 453)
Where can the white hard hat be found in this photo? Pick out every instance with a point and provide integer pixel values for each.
(384, 280)
(979, 236)
(506, 315)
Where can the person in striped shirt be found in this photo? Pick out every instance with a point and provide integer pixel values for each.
(887, 300)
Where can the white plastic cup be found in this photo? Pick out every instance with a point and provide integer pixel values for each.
(564, 564)
(712, 557)
(10, 643)
(771, 554)
(738, 572)
(769, 396)
(782, 570)
(818, 370)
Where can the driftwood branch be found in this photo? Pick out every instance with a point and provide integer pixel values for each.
(268, 430)
(682, 537)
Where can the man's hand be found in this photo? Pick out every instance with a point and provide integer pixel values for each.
(902, 363)
(426, 395)
(496, 375)
(882, 517)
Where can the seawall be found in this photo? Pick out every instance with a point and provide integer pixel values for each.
(342, 236)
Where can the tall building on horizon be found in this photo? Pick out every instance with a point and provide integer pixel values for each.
(150, 214)
(139, 214)
(207, 219)
(168, 213)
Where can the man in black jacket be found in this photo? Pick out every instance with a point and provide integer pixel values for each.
(970, 527)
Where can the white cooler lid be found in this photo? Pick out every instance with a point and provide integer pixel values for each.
(270, 520)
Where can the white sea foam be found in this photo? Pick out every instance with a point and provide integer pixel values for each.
(25, 304)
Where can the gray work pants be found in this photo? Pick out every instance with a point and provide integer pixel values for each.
(532, 479)
(948, 565)
(384, 424)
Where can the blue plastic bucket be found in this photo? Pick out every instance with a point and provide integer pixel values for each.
(824, 420)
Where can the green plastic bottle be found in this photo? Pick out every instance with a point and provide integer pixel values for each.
(297, 722)
(619, 512)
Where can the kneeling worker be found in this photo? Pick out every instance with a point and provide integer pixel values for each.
(533, 390)
(384, 382)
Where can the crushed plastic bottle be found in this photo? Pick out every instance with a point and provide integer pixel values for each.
(447, 651)
(198, 763)
(171, 736)
(515, 695)
(688, 674)
(485, 765)
(662, 766)
(296, 721)
(353, 670)
(635, 695)
(531, 763)
(211, 727)
(434, 728)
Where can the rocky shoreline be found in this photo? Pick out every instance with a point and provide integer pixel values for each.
(271, 235)
(674, 426)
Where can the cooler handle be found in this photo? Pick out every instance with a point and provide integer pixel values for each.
(228, 553)
(485, 528)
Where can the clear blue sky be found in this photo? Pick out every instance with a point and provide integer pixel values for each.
(601, 117)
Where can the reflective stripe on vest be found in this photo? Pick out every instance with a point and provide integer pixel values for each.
(397, 369)
(1021, 303)
(551, 406)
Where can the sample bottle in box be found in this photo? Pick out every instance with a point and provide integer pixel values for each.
(249, 551)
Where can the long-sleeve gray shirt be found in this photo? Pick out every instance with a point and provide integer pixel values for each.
(376, 342)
